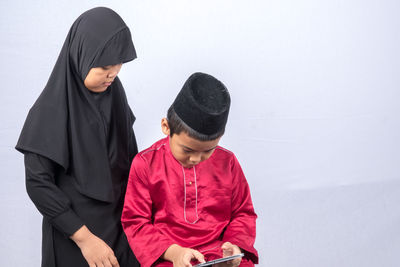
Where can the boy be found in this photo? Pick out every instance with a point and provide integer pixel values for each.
(187, 198)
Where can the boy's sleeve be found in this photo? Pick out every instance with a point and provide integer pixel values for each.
(241, 230)
(146, 241)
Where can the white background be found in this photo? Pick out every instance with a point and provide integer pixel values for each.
(314, 121)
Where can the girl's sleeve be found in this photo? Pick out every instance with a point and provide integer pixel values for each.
(241, 230)
(148, 243)
(51, 202)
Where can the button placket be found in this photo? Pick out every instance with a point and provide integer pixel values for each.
(190, 201)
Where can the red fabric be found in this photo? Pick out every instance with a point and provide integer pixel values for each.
(200, 207)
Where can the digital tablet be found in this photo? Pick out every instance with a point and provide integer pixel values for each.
(209, 263)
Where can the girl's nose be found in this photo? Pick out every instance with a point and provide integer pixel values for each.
(114, 71)
(112, 74)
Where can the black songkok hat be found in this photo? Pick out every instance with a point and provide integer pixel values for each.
(203, 104)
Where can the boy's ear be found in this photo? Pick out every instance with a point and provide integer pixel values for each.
(165, 126)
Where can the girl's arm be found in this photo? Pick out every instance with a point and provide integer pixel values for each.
(55, 206)
(51, 202)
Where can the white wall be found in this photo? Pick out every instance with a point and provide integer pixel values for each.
(314, 119)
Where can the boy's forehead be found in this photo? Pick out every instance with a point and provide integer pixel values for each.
(184, 140)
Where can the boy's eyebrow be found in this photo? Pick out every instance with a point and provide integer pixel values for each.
(188, 148)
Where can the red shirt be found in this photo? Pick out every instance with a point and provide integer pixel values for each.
(200, 207)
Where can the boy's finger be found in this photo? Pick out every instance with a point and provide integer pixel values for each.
(234, 262)
(187, 257)
(198, 256)
(227, 252)
(226, 245)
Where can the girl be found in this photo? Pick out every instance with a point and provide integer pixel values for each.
(78, 143)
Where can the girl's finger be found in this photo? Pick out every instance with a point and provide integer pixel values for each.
(114, 261)
(107, 263)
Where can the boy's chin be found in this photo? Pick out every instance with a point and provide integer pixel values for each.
(188, 165)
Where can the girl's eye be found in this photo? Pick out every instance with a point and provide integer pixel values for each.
(106, 67)
(186, 151)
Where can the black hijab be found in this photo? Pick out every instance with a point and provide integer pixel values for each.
(65, 124)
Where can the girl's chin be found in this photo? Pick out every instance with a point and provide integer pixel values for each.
(98, 89)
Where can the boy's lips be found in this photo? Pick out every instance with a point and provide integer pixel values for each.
(189, 165)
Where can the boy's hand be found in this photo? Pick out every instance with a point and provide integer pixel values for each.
(95, 251)
(181, 256)
(228, 250)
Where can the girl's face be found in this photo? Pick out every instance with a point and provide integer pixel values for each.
(100, 78)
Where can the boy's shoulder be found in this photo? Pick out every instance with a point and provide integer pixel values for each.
(222, 154)
(160, 149)
(223, 150)
(158, 146)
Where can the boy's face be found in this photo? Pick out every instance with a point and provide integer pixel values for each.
(187, 150)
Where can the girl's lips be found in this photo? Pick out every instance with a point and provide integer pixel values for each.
(107, 84)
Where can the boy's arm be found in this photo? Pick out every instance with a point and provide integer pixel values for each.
(241, 230)
(146, 241)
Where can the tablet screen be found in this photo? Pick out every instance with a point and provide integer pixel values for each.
(209, 263)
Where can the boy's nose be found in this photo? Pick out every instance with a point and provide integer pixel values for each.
(195, 159)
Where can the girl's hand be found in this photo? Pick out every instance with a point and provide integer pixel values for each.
(228, 250)
(95, 251)
(181, 256)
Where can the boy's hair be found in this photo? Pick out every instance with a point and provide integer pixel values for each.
(177, 125)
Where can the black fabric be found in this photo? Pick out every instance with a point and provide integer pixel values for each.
(78, 145)
(65, 210)
(203, 104)
(52, 203)
(65, 125)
